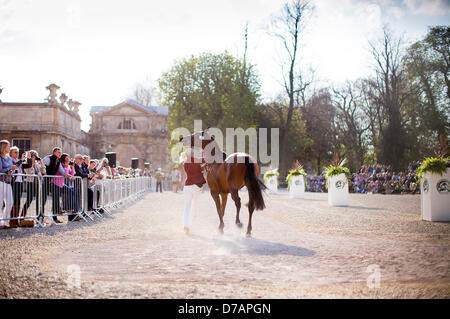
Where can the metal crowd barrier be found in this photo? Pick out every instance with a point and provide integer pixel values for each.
(30, 197)
(110, 194)
(63, 196)
(116, 192)
(20, 198)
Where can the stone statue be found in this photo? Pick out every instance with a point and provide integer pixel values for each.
(70, 104)
(63, 98)
(52, 96)
(76, 106)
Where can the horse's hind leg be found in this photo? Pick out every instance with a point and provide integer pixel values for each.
(251, 208)
(237, 202)
(216, 198)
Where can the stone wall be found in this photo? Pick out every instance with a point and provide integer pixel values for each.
(145, 136)
(46, 125)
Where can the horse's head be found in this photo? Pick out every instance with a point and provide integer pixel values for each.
(201, 138)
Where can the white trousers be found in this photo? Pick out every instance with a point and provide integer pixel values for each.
(7, 196)
(191, 193)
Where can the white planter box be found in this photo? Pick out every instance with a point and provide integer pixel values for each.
(435, 197)
(272, 184)
(297, 187)
(338, 190)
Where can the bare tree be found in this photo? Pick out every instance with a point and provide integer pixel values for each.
(388, 95)
(143, 93)
(288, 27)
(319, 115)
(352, 122)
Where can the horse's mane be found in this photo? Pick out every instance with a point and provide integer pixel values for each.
(216, 147)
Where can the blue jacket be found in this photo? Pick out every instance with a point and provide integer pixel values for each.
(5, 164)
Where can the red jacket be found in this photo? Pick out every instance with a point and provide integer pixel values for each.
(194, 172)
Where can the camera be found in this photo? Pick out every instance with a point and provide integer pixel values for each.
(38, 158)
(71, 163)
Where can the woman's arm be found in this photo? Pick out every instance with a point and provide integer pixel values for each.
(43, 171)
(3, 169)
(72, 173)
(6, 165)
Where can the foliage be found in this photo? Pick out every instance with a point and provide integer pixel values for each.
(295, 172)
(272, 116)
(427, 63)
(269, 174)
(387, 93)
(436, 165)
(393, 116)
(219, 89)
(336, 170)
(352, 125)
(319, 115)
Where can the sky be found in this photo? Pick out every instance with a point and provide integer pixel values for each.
(98, 51)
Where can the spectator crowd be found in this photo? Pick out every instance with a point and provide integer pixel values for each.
(374, 179)
(63, 187)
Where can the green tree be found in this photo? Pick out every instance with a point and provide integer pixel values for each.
(218, 89)
(438, 42)
(273, 115)
(427, 65)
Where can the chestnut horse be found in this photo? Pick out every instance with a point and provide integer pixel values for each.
(228, 174)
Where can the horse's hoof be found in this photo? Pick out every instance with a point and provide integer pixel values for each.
(220, 231)
(239, 225)
(248, 235)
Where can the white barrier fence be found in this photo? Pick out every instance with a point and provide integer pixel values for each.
(26, 200)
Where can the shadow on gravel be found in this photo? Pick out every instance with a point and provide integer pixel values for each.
(254, 246)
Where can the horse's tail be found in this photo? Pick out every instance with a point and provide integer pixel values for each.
(254, 186)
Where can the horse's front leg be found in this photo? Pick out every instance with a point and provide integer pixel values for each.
(216, 198)
(224, 197)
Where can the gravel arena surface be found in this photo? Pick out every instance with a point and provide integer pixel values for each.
(300, 248)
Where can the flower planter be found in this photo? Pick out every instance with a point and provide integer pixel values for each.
(435, 197)
(297, 186)
(338, 190)
(272, 184)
